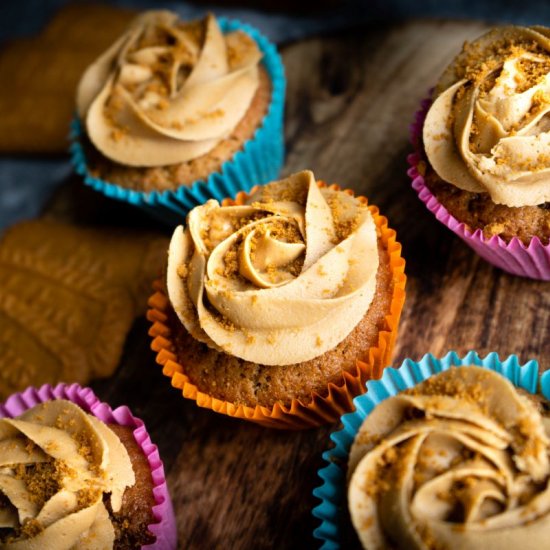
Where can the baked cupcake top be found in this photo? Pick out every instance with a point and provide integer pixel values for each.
(168, 91)
(278, 280)
(488, 129)
(459, 461)
(58, 468)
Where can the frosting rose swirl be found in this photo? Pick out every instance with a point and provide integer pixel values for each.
(56, 463)
(167, 92)
(279, 280)
(489, 128)
(460, 461)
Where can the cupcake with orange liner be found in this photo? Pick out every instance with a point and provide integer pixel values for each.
(78, 474)
(482, 164)
(278, 306)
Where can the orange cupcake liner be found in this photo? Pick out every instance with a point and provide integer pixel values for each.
(321, 409)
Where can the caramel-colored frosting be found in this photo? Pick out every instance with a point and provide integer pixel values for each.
(488, 130)
(460, 461)
(167, 92)
(56, 465)
(279, 280)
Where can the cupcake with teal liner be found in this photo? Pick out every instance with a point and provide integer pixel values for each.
(464, 396)
(482, 149)
(176, 113)
(78, 474)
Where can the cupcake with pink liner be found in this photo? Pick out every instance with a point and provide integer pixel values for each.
(482, 149)
(78, 474)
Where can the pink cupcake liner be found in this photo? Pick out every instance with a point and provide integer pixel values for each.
(515, 257)
(164, 527)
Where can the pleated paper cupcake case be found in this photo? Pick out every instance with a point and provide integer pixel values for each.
(259, 161)
(321, 409)
(164, 527)
(515, 257)
(332, 492)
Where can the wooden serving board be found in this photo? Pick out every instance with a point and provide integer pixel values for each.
(350, 100)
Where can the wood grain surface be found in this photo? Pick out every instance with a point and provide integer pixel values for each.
(351, 98)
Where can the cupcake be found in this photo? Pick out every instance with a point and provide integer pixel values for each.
(282, 305)
(484, 164)
(76, 474)
(175, 112)
(450, 453)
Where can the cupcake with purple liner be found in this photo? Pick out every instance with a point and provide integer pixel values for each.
(482, 160)
(178, 112)
(77, 474)
(464, 437)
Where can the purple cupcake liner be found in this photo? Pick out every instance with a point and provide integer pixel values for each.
(515, 257)
(164, 527)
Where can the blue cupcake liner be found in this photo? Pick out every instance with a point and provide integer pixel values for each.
(332, 492)
(258, 162)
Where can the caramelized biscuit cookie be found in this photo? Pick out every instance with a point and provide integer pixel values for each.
(40, 74)
(68, 298)
(34, 352)
(123, 258)
(92, 317)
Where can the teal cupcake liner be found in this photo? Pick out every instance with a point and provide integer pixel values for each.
(258, 162)
(332, 493)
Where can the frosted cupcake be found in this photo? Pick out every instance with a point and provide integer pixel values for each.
(282, 299)
(175, 103)
(485, 139)
(441, 453)
(459, 461)
(76, 474)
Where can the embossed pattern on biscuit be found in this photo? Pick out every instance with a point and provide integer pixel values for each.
(91, 315)
(68, 298)
(33, 351)
(122, 257)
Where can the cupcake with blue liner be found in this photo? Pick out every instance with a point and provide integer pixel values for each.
(175, 113)
(393, 452)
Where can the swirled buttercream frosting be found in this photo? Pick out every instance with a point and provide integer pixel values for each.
(488, 129)
(58, 468)
(167, 91)
(278, 280)
(459, 462)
